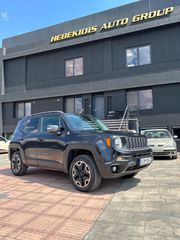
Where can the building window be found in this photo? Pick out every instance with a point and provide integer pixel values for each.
(74, 67)
(74, 104)
(138, 56)
(78, 104)
(143, 99)
(22, 109)
(109, 104)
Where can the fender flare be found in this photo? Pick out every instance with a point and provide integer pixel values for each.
(85, 147)
(17, 146)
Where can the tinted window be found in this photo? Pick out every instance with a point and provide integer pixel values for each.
(74, 67)
(32, 125)
(138, 56)
(22, 109)
(157, 134)
(2, 139)
(85, 123)
(143, 99)
(49, 120)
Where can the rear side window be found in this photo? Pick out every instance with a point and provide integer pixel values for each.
(2, 139)
(32, 125)
(49, 120)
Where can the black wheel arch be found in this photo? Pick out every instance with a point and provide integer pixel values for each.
(75, 150)
(14, 147)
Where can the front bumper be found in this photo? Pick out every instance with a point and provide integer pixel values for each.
(165, 152)
(125, 164)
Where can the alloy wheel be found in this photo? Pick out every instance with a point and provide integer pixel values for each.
(81, 174)
(16, 163)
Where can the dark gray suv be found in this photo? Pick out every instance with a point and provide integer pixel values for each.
(80, 145)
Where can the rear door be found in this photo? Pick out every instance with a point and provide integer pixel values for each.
(51, 146)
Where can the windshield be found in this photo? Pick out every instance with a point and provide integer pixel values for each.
(85, 123)
(157, 134)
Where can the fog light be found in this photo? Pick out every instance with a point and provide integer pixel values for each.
(114, 169)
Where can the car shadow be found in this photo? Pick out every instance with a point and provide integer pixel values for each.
(164, 159)
(60, 180)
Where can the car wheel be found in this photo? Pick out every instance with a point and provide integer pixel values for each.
(18, 168)
(130, 175)
(84, 173)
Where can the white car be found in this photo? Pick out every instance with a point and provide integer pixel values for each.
(161, 142)
(4, 144)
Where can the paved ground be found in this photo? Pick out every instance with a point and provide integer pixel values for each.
(44, 205)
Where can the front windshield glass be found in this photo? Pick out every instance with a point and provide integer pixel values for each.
(85, 123)
(157, 134)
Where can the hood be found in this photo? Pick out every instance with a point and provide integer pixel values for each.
(109, 133)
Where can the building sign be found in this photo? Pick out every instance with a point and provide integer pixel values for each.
(112, 25)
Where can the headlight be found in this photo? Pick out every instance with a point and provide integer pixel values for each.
(118, 142)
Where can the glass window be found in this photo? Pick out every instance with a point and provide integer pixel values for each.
(2, 139)
(85, 123)
(78, 105)
(143, 99)
(132, 57)
(86, 105)
(132, 98)
(70, 104)
(157, 134)
(22, 109)
(32, 125)
(74, 67)
(49, 120)
(69, 68)
(144, 55)
(78, 66)
(27, 109)
(138, 56)
(74, 104)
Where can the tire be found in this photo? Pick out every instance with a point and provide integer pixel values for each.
(18, 168)
(84, 174)
(130, 175)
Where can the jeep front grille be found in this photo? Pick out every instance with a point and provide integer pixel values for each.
(135, 143)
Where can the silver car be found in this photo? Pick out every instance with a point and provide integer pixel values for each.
(4, 144)
(161, 142)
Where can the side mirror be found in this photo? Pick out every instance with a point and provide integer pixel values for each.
(175, 137)
(52, 128)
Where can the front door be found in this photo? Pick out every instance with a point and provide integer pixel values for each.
(30, 140)
(51, 146)
(98, 106)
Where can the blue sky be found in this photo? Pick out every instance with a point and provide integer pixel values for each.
(20, 16)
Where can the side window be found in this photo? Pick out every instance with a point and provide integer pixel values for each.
(31, 125)
(2, 139)
(49, 120)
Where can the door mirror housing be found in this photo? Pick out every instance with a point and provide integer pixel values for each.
(52, 128)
